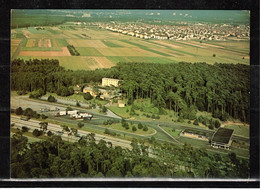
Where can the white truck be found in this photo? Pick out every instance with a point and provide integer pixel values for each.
(62, 113)
(87, 115)
(74, 112)
(76, 116)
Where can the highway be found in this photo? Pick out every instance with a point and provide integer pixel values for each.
(34, 124)
(25, 102)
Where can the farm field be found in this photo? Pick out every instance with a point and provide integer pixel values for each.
(99, 48)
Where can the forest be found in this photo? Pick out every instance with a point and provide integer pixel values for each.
(88, 158)
(220, 89)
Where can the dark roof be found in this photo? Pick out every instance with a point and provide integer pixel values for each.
(222, 135)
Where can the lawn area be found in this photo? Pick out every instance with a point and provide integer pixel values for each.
(120, 111)
(194, 142)
(239, 130)
(118, 126)
(97, 101)
(172, 131)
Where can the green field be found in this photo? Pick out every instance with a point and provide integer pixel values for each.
(62, 42)
(110, 44)
(117, 59)
(35, 31)
(89, 51)
(108, 48)
(173, 132)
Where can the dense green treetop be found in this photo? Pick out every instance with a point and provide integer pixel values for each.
(220, 88)
(87, 158)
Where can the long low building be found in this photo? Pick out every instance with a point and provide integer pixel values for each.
(196, 134)
(222, 138)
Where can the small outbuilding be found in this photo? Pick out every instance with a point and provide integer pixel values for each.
(121, 103)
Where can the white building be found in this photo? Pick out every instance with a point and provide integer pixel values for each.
(110, 82)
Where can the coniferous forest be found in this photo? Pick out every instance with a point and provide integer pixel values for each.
(220, 89)
(86, 158)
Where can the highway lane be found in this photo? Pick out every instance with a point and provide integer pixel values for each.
(34, 124)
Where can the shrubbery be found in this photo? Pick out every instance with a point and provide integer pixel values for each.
(36, 94)
(51, 99)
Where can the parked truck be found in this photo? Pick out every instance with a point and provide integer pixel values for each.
(86, 115)
(62, 113)
(76, 116)
(74, 112)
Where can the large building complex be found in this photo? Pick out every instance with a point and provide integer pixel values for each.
(110, 82)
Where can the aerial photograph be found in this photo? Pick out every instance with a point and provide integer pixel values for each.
(123, 93)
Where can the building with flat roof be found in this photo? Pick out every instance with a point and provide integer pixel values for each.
(110, 82)
(222, 138)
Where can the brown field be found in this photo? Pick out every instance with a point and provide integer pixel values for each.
(189, 43)
(44, 43)
(204, 44)
(31, 43)
(69, 34)
(86, 43)
(64, 52)
(167, 44)
(15, 42)
(26, 33)
(55, 44)
(55, 28)
(97, 62)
